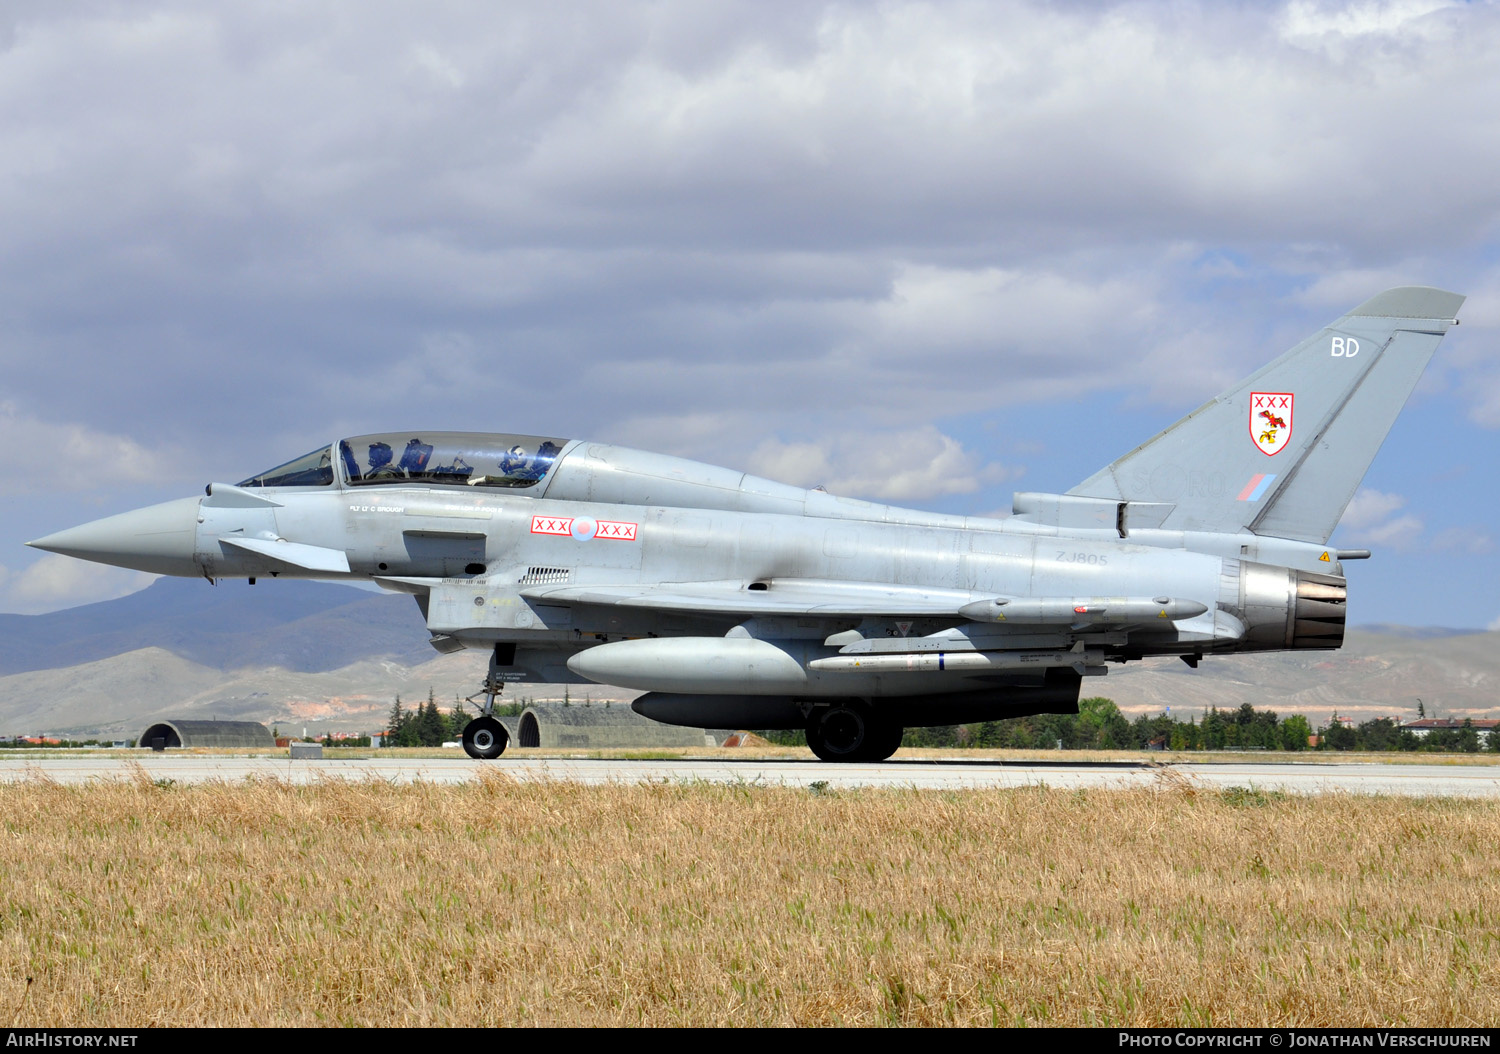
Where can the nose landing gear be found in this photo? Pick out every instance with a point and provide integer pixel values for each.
(485, 738)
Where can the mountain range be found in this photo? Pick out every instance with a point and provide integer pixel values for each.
(322, 656)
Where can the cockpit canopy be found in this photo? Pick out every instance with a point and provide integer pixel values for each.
(474, 459)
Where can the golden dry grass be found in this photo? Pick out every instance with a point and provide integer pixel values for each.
(500, 902)
(772, 752)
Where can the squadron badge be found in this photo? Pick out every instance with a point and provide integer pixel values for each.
(1271, 420)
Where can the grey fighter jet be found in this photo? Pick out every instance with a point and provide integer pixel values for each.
(733, 601)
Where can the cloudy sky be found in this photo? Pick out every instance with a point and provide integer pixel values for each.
(927, 253)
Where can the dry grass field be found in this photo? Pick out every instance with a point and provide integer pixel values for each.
(500, 902)
(770, 752)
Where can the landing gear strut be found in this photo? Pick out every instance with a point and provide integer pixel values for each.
(850, 730)
(484, 738)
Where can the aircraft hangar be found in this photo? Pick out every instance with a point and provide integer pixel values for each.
(207, 734)
(556, 725)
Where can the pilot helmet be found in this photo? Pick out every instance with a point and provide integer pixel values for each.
(380, 454)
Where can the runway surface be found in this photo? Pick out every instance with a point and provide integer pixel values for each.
(1296, 778)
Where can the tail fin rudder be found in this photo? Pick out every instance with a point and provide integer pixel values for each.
(1282, 452)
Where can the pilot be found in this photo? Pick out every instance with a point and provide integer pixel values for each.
(514, 463)
(538, 466)
(380, 462)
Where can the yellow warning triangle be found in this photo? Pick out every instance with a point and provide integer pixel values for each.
(1324, 557)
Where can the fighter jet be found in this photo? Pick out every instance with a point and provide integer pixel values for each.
(734, 601)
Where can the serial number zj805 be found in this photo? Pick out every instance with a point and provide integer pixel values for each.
(1065, 557)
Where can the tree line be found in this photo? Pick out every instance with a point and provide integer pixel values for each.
(424, 725)
(427, 725)
(1099, 725)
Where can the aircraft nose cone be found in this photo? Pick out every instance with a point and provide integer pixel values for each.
(159, 539)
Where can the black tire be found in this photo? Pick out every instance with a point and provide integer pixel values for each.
(484, 739)
(840, 732)
(884, 741)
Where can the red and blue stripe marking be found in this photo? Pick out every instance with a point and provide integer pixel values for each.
(1258, 485)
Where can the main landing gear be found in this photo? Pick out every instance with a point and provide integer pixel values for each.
(850, 730)
(484, 737)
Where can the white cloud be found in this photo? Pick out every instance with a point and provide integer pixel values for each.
(1310, 19)
(1369, 507)
(1370, 520)
(921, 205)
(906, 465)
(1346, 287)
(1494, 626)
(50, 456)
(1399, 533)
(55, 582)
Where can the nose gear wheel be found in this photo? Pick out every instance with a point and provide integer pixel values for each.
(484, 738)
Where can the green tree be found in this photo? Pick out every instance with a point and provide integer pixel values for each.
(1378, 734)
(404, 726)
(1340, 736)
(1440, 740)
(1211, 732)
(1294, 733)
(431, 728)
(458, 720)
(1468, 737)
(1100, 725)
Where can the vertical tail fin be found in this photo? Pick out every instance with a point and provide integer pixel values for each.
(1282, 452)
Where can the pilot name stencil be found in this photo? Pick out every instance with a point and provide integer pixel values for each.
(584, 528)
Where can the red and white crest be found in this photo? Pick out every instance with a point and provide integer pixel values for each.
(1271, 420)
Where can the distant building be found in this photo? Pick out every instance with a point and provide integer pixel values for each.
(1421, 727)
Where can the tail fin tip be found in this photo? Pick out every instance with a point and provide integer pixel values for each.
(1412, 301)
